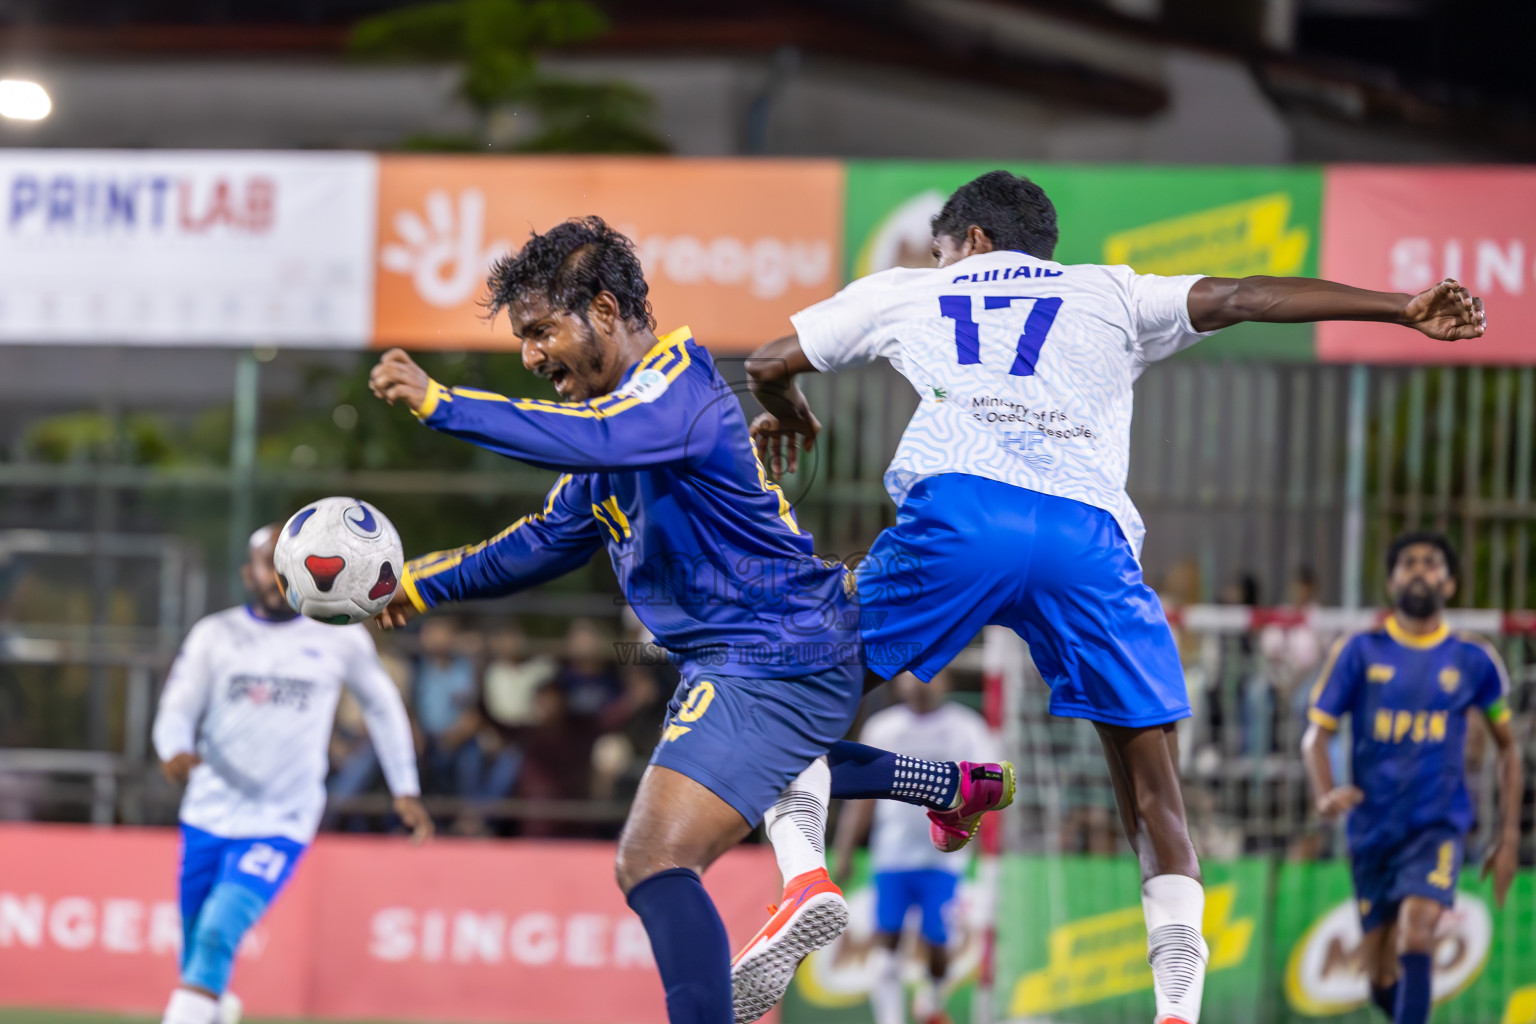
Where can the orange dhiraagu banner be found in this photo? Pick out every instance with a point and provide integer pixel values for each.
(1403, 229)
(730, 247)
(370, 929)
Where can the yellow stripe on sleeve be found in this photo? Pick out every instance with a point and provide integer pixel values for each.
(1323, 719)
(408, 582)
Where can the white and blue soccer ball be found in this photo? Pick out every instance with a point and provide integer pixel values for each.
(339, 560)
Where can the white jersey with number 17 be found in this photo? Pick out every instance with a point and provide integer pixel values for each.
(1023, 367)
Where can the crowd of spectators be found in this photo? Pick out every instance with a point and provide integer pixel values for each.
(514, 727)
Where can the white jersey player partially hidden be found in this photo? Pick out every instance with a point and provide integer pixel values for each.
(995, 400)
(245, 720)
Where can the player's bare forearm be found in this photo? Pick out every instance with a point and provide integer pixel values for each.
(1330, 800)
(1447, 311)
(1511, 781)
(787, 422)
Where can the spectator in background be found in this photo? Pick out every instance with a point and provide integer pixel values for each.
(588, 678)
(513, 677)
(445, 692)
(634, 723)
(488, 766)
(557, 760)
(1292, 651)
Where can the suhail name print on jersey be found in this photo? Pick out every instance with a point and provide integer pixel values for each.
(1023, 367)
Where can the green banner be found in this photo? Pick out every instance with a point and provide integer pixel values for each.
(1072, 944)
(1485, 958)
(1227, 222)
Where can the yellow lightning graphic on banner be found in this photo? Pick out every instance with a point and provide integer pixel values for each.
(1100, 957)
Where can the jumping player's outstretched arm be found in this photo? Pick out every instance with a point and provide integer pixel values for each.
(540, 546)
(1446, 312)
(650, 421)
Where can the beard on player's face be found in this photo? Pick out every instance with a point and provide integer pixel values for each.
(260, 575)
(1417, 599)
(566, 350)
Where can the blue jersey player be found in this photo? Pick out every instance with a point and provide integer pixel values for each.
(659, 469)
(1010, 486)
(1408, 688)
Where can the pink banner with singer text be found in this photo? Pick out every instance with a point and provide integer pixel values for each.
(1403, 229)
(370, 929)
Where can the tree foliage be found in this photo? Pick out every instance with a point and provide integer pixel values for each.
(496, 45)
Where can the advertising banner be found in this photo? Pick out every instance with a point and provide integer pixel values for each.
(370, 929)
(1484, 958)
(1403, 229)
(730, 247)
(1072, 941)
(186, 248)
(1161, 220)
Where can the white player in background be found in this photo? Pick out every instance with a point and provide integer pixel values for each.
(907, 870)
(245, 721)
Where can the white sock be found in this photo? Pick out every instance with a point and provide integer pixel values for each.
(1174, 906)
(796, 824)
(935, 997)
(885, 992)
(188, 1007)
(231, 1009)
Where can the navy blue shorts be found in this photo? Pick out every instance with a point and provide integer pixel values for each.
(263, 866)
(745, 739)
(968, 552)
(931, 889)
(1426, 865)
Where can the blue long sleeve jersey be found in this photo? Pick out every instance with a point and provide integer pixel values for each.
(663, 473)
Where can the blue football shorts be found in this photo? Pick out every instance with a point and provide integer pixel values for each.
(932, 890)
(263, 866)
(1426, 865)
(968, 552)
(745, 739)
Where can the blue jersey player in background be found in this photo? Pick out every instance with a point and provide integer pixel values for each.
(1409, 688)
(659, 469)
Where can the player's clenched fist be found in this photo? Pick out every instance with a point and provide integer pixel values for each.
(398, 612)
(1339, 800)
(397, 378)
(179, 768)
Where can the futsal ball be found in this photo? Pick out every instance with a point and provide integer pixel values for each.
(339, 560)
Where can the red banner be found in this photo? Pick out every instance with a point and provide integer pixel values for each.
(1403, 229)
(370, 929)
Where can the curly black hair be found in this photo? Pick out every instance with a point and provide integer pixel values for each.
(568, 266)
(1013, 211)
(1403, 541)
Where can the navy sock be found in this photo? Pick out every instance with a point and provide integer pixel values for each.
(1386, 999)
(1413, 989)
(868, 773)
(689, 942)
